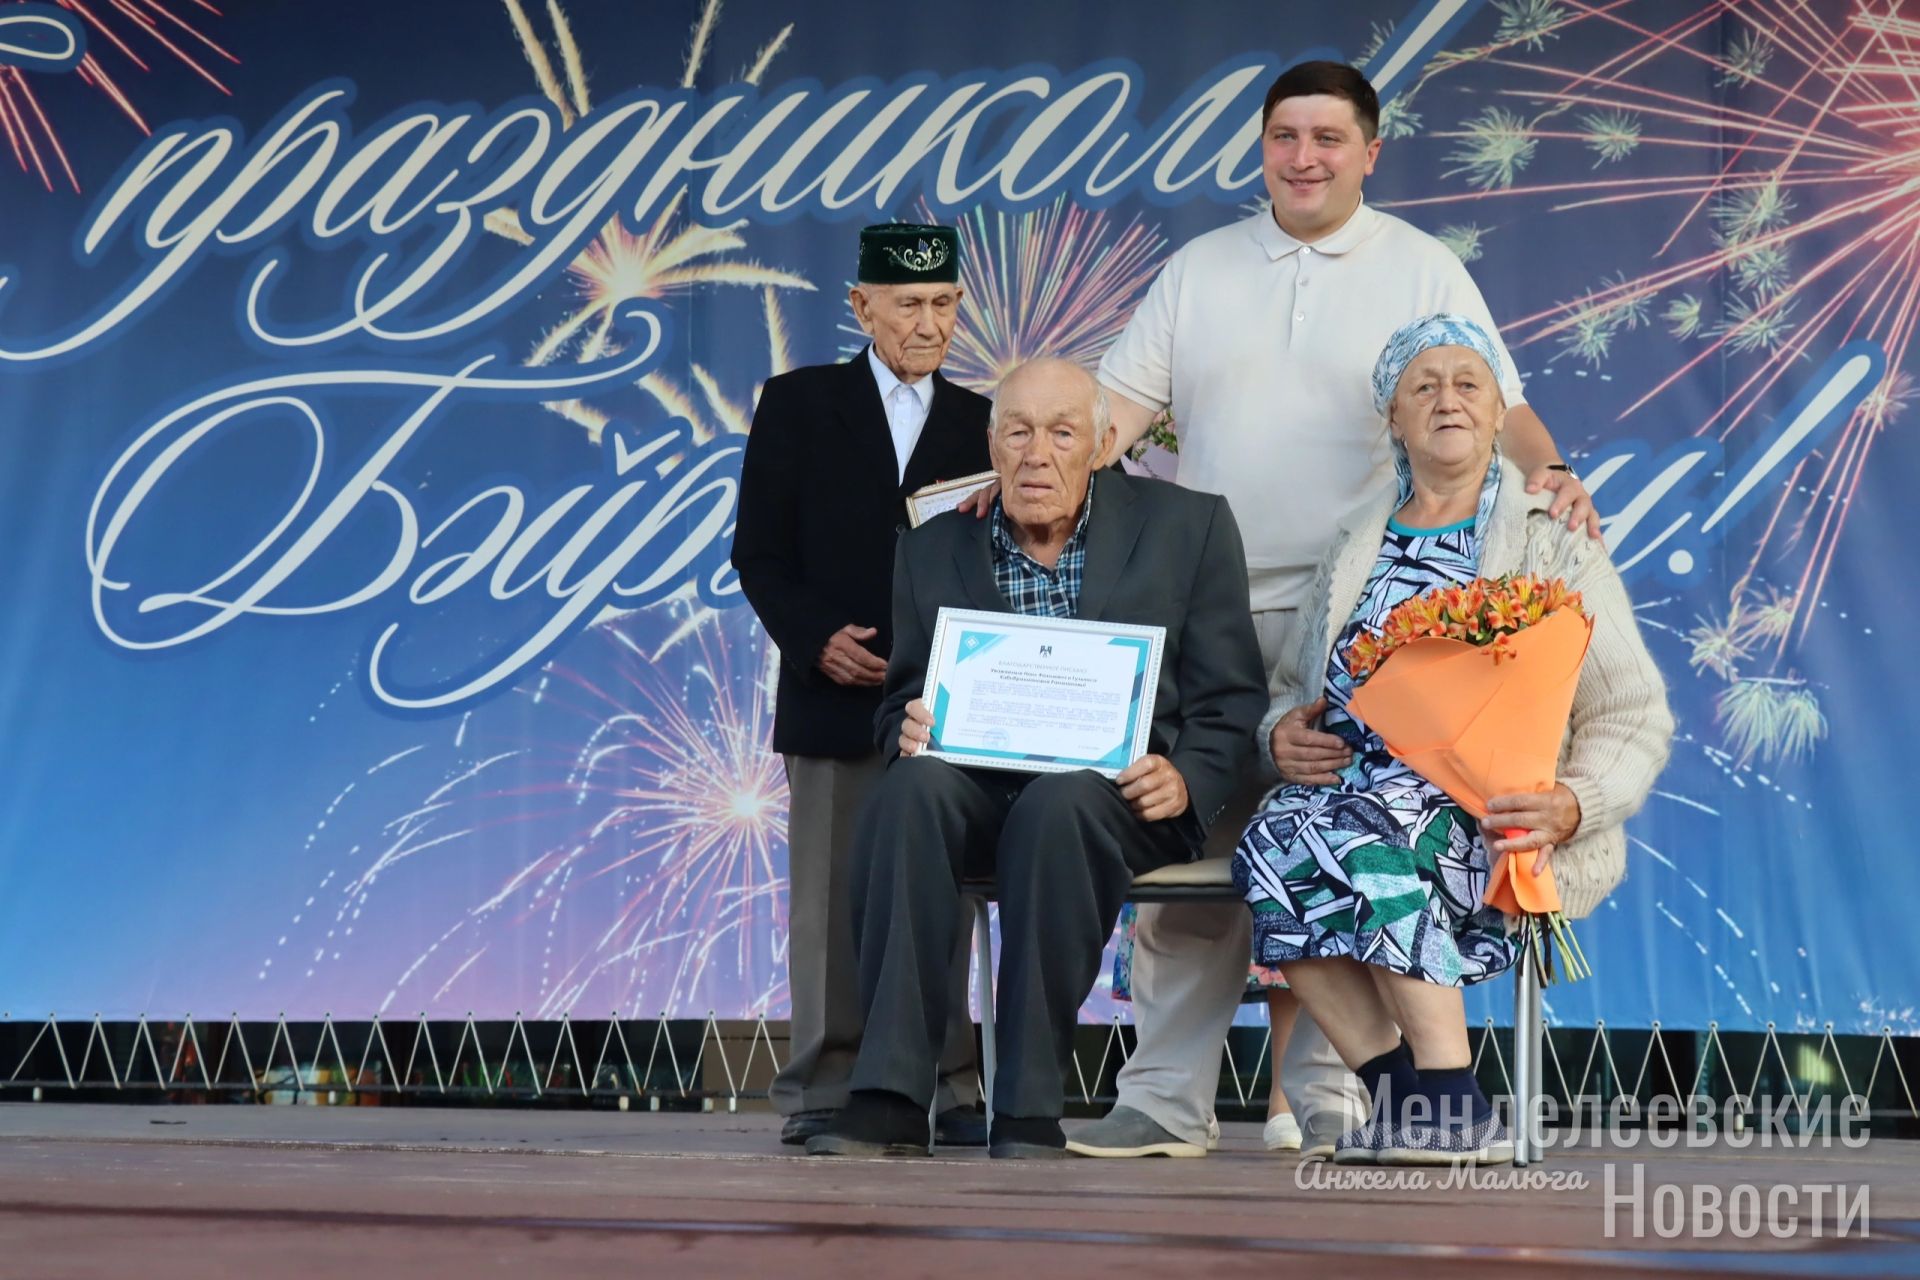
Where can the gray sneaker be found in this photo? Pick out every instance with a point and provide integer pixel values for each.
(1124, 1133)
(1321, 1133)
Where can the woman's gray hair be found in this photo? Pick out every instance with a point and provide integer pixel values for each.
(1102, 405)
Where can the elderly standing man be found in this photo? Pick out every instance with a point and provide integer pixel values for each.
(1063, 847)
(1260, 337)
(835, 449)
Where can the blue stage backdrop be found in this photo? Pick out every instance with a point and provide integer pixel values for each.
(374, 379)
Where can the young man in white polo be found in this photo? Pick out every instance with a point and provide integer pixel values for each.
(1260, 337)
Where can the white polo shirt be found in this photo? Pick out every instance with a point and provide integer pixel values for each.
(1264, 348)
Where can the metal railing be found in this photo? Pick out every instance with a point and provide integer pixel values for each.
(713, 1063)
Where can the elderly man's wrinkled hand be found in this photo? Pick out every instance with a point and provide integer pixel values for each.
(916, 731)
(1570, 499)
(980, 501)
(1303, 754)
(1153, 789)
(846, 659)
(1545, 819)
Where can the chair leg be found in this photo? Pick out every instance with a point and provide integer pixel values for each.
(1537, 1081)
(983, 991)
(1526, 1062)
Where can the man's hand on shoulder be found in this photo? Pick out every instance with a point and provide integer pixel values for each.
(1570, 499)
(1153, 789)
(978, 503)
(846, 659)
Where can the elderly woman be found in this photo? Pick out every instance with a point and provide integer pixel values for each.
(1365, 879)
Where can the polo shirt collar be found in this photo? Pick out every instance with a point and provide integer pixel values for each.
(1279, 244)
(922, 390)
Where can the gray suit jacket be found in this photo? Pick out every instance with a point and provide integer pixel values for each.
(1157, 555)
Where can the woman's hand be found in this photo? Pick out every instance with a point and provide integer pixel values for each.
(1547, 819)
(1303, 754)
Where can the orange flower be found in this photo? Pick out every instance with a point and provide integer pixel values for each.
(1363, 656)
(1483, 612)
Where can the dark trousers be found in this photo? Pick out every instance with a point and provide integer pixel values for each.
(1063, 849)
(827, 798)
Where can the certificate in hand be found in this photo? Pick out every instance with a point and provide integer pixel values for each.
(936, 499)
(1041, 695)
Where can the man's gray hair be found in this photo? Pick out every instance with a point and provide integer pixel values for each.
(1102, 406)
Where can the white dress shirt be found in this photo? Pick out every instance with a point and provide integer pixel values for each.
(907, 407)
(1264, 349)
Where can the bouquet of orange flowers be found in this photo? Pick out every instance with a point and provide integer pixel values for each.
(1471, 686)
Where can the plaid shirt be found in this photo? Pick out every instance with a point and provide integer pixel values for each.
(1029, 586)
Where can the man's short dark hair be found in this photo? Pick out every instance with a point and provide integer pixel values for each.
(1332, 79)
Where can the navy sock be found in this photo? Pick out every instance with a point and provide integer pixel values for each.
(1451, 1098)
(1390, 1079)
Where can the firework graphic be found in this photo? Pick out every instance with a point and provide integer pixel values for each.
(690, 823)
(1808, 208)
(669, 260)
(635, 840)
(1058, 280)
(125, 39)
(643, 823)
(1768, 718)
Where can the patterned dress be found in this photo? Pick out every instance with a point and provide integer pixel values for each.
(1382, 867)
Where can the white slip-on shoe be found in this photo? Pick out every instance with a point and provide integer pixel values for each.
(1282, 1133)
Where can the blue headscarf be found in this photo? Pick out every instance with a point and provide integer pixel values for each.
(1410, 339)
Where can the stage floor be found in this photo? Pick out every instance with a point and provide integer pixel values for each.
(208, 1191)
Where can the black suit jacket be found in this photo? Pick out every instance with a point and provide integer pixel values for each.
(821, 506)
(1157, 555)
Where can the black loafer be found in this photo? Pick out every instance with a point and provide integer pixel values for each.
(840, 1144)
(960, 1127)
(1027, 1138)
(873, 1125)
(802, 1125)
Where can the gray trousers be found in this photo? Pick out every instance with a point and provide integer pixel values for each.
(1189, 972)
(1063, 849)
(827, 796)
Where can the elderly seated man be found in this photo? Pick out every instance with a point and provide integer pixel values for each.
(1063, 847)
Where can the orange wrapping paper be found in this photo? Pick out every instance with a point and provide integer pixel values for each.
(1477, 728)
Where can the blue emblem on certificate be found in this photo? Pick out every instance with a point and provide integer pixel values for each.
(1041, 695)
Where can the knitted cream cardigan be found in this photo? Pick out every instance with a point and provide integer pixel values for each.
(1620, 730)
